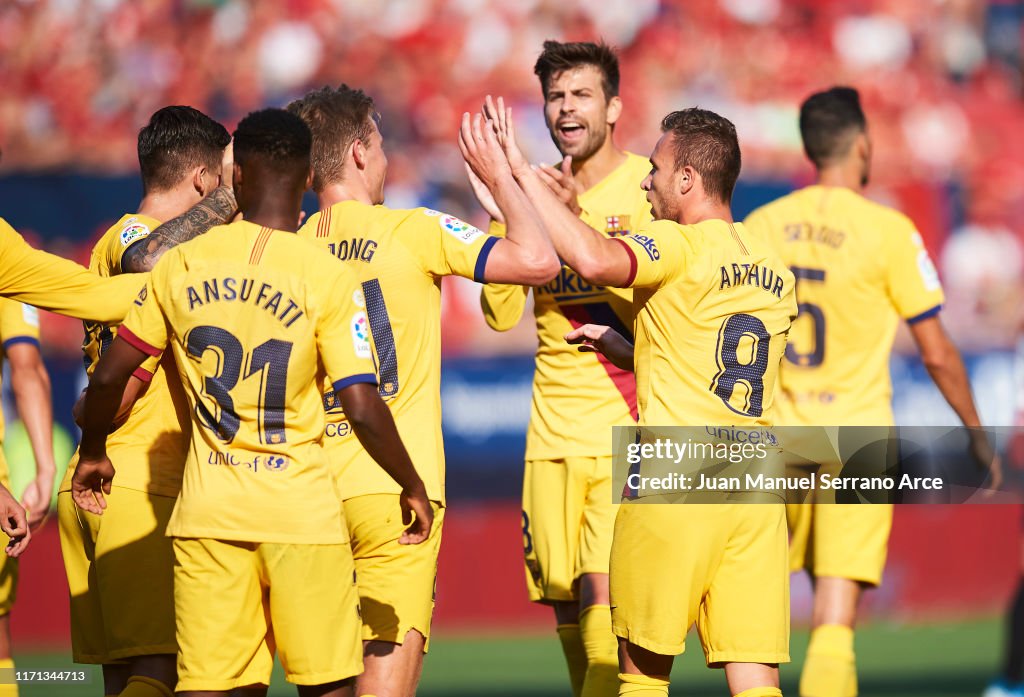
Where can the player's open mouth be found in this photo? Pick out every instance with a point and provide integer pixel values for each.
(571, 130)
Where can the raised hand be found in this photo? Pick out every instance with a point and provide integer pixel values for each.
(483, 196)
(501, 119)
(478, 142)
(561, 183)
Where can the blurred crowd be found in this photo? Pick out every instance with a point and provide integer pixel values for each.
(942, 83)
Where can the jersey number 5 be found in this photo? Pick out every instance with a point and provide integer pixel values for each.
(269, 360)
(817, 355)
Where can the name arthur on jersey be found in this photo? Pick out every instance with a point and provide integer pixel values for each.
(751, 275)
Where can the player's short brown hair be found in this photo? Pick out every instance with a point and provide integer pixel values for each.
(176, 139)
(829, 121)
(337, 117)
(707, 142)
(557, 57)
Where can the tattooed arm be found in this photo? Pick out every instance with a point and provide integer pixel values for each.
(215, 209)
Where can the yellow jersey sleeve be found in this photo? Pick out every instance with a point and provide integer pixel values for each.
(503, 305)
(132, 229)
(447, 246)
(911, 279)
(657, 254)
(343, 333)
(146, 327)
(53, 283)
(19, 323)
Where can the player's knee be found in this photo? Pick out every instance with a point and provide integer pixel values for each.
(593, 590)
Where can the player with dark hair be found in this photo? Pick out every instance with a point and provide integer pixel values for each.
(860, 267)
(568, 509)
(703, 287)
(400, 257)
(123, 559)
(254, 318)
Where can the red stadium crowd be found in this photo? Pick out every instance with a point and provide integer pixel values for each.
(942, 84)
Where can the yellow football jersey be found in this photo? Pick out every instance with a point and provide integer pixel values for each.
(19, 323)
(571, 388)
(53, 283)
(859, 268)
(255, 318)
(400, 257)
(148, 450)
(713, 306)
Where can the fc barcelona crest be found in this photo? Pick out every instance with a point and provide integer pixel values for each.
(616, 225)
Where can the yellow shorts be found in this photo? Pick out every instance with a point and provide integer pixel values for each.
(396, 582)
(117, 564)
(239, 602)
(568, 518)
(722, 566)
(840, 540)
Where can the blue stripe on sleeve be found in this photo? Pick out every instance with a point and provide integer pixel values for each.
(21, 340)
(925, 315)
(353, 380)
(481, 260)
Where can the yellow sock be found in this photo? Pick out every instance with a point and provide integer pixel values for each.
(8, 686)
(642, 686)
(761, 692)
(829, 669)
(141, 686)
(575, 656)
(602, 649)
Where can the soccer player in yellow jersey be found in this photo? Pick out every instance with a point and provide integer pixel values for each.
(860, 268)
(30, 383)
(568, 509)
(255, 317)
(712, 307)
(123, 559)
(400, 257)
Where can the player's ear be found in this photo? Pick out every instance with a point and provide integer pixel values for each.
(309, 178)
(614, 110)
(199, 180)
(687, 179)
(359, 153)
(236, 177)
(863, 146)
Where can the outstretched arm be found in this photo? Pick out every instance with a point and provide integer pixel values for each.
(375, 428)
(31, 386)
(526, 255)
(216, 208)
(53, 283)
(598, 259)
(942, 359)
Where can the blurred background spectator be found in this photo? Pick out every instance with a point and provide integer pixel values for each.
(941, 81)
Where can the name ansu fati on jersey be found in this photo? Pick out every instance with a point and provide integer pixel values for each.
(232, 290)
(751, 275)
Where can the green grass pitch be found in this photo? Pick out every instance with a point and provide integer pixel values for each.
(934, 660)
